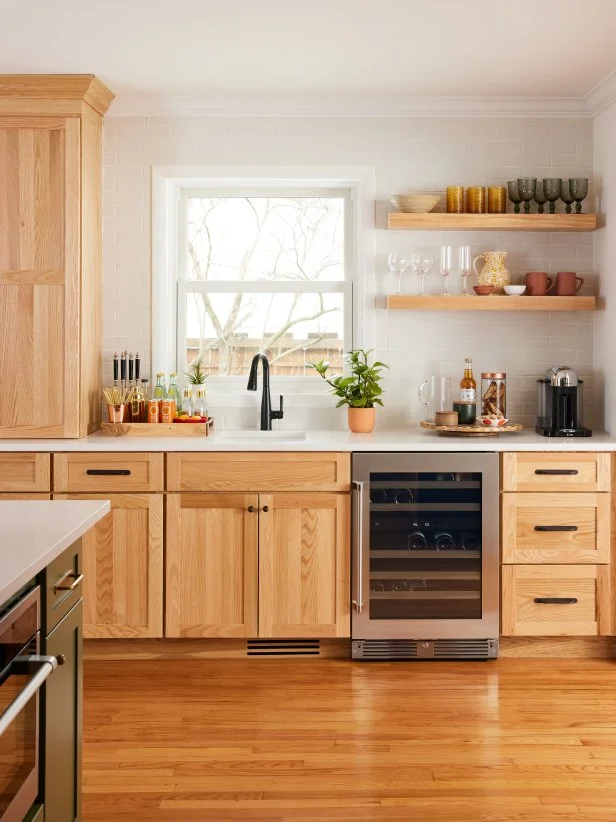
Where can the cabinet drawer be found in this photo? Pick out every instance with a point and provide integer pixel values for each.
(83, 473)
(556, 472)
(24, 472)
(62, 586)
(554, 600)
(556, 528)
(258, 471)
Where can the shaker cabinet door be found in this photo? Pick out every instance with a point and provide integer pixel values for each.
(304, 554)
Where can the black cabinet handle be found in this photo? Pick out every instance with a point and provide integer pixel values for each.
(556, 600)
(108, 472)
(266, 508)
(556, 527)
(557, 472)
(251, 509)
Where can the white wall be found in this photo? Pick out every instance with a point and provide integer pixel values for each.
(605, 321)
(407, 154)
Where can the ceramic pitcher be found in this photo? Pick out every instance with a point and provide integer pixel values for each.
(494, 271)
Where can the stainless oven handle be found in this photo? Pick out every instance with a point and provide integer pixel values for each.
(358, 545)
(42, 667)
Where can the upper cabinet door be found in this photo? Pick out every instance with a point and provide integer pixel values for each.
(304, 554)
(39, 276)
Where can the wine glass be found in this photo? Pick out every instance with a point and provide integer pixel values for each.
(526, 189)
(540, 197)
(578, 186)
(464, 260)
(514, 195)
(422, 263)
(446, 263)
(565, 195)
(551, 189)
(398, 264)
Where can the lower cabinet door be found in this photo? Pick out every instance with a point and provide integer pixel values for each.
(304, 557)
(211, 565)
(123, 568)
(555, 600)
(62, 721)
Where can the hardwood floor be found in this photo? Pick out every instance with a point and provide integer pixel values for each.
(278, 740)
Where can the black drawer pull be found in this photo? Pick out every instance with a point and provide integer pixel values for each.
(555, 600)
(557, 472)
(108, 472)
(556, 527)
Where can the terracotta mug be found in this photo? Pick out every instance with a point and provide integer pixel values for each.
(538, 283)
(566, 283)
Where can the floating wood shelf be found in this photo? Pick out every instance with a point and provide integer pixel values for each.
(434, 302)
(439, 221)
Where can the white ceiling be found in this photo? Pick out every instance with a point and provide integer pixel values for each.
(426, 48)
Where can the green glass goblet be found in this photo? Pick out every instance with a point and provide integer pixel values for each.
(514, 194)
(578, 186)
(526, 189)
(540, 197)
(565, 195)
(551, 189)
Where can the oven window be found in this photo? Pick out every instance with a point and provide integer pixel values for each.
(17, 743)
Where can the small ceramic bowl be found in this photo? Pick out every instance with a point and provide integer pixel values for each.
(493, 423)
(483, 290)
(446, 417)
(515, 290)
(415, 203)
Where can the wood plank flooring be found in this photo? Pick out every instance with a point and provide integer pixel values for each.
(289, 739)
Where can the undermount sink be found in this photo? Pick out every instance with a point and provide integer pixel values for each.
(263, 436)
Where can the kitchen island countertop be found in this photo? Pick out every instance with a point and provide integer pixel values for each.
(33, 533)
(412, 438)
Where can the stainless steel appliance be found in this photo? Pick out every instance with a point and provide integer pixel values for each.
(22, 673)
(425, 556)
(560, 404)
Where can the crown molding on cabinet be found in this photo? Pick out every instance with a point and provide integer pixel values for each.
(63, 93)
(602, 95)
(131, 105)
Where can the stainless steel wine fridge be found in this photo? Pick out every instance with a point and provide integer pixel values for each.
(425, 582)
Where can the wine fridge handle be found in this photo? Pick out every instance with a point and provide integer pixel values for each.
(358, 545)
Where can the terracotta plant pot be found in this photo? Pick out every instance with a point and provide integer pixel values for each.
(361, 420)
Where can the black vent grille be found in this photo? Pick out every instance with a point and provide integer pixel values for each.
(283, 647)
(409, 649)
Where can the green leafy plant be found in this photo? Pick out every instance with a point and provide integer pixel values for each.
(359, 390)
(197, 375)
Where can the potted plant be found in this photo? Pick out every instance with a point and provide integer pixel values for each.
(197, 374)
(360, 391)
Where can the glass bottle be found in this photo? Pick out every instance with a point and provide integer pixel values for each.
(160, 391)
(200, 407)
(187, 402)
(174, 393)
(468, 384)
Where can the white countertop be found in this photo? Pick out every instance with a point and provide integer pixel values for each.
(33, 534)
(411, 439)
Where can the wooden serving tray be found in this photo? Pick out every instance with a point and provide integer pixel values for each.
(474, 430)
(156, 429)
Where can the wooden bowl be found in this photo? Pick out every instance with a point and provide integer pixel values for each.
(483, 290)
(446, 417)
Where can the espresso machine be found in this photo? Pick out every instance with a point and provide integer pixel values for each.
(560, 404)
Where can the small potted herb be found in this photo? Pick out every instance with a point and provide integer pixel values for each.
(360, 391)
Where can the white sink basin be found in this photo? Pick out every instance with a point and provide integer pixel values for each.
(263, 436)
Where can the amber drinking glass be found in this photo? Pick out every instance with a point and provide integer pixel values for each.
(578, 188)
(476, 200)
(514, 194)
(497, 200)
(551, 190)
(526, 189)
(540, 197)
(455, 199)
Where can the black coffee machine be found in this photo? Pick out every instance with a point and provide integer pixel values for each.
(560, 404)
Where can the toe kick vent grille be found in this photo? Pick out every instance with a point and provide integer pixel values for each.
(283, 647)
(409, 649)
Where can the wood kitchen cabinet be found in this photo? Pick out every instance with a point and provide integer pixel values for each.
(50, 254)
(123, 568)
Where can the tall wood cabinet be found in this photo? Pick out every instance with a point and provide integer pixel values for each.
(50, 254)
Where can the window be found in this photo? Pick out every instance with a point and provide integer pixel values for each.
(249, 264)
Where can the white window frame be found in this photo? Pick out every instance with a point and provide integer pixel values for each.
(170, 186)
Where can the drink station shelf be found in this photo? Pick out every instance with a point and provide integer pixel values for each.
(440, 221)
(497, 302)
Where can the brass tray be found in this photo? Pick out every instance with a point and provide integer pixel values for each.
(474, 430)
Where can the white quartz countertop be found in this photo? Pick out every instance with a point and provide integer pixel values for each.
(410, 439)
(33, 534)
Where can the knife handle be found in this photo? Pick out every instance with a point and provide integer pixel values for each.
(137, 367)
(123, 367)
(116, 367)
(131, 368)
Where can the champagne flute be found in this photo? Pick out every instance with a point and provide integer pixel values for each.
(446, 263)
(398, 264)
(464, 260)
(422, 263)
